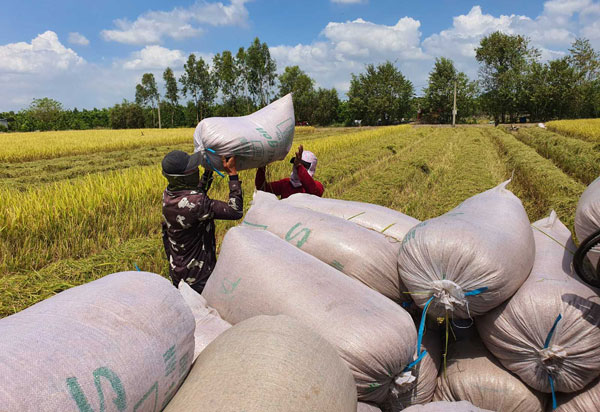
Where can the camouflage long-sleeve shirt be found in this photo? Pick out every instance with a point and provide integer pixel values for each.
(189, 230)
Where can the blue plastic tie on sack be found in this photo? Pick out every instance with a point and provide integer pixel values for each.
(554, 406)
(211, 165)
(415, 362)
(559, 317)
(136, 267)
(476, 291)
(422, 325)
(546, 344)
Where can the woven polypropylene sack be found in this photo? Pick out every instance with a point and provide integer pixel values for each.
(260, 274)
(462, 406)
(473, 374)
(518, 332)
(585, 400)
(267, 363)
(209, 324)
(425, 372)
(483, 245)
(366, 407)
(255, 140)
(360, 253)
(587, 216)
(123, 342)
(381, 219)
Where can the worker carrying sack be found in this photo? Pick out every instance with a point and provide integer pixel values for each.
(255, 140)
(259, 274)
(471, 259)
(267, 363)
(125, 340)
(360, 253)
(209, 324)
(378, 218)
(548, 332)
(474, 375)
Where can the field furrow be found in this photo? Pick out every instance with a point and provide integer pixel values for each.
(578, 158)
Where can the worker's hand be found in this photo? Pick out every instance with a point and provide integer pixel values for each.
(229, 165)
(298, 159)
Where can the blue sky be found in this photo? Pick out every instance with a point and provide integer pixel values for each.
(91, 54)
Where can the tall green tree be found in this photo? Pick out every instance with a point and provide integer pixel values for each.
(45, 113)
(380, 95)
(586, 63)
(504, 60)
(439, 94)
(243, 94)
(226, 77)
(294, 80)
(172, 93)
(146, 93)
(197, 81)
(261, 72)
(326, 107)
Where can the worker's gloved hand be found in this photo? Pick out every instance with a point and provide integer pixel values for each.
(229, 165)
(298, 158)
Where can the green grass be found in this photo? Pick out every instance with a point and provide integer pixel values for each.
(578, 158)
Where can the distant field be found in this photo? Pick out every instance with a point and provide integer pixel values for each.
(75, 217)
(587, 129)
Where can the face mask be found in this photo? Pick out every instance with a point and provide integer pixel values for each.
(188, 181)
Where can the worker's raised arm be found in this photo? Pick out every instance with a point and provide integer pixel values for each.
(234, 208)
(308, 183)
(260, 182)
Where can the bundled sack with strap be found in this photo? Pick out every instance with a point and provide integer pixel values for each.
(259, 274)
(471, 259)
(378, 218)
(425, 372)
(209, 324)
(443, 406)
(585, 400)
(255, 140)
(125, 340)
(360, 253)
(473, 374)
(267, 363)
(548, 332)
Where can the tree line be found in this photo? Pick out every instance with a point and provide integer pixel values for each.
(513, 83)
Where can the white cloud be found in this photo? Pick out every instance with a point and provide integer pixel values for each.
(151, 27)
(78, 38)
(44, 55)
(155, 57)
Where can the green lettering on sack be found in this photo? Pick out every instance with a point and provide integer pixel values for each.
(153, 388)
(411, 234)
(79, 397)
(245, 222)
(304, 233)
(170, 360)
(264, 133)
(228, 287)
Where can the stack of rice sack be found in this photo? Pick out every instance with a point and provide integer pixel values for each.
(378, 218)
(548, 332)
(474, 375)
(587, 217)
(267, 363)
(260, 274)
(360, 253)
(471, 259)
(126, 340)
